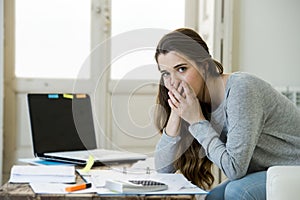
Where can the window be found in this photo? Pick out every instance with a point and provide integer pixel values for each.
(131, 15)
(52, 37)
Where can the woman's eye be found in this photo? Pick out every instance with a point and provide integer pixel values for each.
(165, 74)
(181, 69)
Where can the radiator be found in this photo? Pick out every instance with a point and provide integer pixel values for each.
(292, 93)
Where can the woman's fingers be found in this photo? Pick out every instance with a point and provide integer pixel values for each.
(184, 102)
(181, 90)
(173, 99)
(189, 92)
(177, 95)
(172, 106)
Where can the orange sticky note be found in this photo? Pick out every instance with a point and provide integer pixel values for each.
(80, 96)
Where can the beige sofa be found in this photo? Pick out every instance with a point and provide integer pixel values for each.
(283, 183)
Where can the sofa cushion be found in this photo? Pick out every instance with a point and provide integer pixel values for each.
(283, 182)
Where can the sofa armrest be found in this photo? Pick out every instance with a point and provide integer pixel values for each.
(283, 182)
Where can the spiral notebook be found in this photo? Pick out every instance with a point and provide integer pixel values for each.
(62, 129)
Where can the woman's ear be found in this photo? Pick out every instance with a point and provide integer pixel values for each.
(204, 69)
(205, 66)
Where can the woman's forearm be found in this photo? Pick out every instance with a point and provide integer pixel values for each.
(173, 125)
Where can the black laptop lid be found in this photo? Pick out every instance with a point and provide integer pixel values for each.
(61, 122)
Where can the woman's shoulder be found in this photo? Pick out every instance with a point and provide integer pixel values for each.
(242, 85)
(243, 76)
(246, 80)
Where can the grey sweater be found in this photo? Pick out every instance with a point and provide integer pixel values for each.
(260, 128)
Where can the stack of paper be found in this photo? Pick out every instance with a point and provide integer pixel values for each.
(50, 174)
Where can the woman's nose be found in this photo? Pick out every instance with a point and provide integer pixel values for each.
(175, 81)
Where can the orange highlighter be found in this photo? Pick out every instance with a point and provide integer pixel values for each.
(78, 187)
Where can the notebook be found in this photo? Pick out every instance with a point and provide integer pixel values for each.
(62, 129)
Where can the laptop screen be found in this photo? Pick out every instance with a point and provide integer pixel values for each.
(61, 122)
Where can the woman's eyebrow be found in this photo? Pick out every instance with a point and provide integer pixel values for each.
(175, 67)
(163, 71)
(179, 65)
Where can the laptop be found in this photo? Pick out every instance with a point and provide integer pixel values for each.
(62, 129)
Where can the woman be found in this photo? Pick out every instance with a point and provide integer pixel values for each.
(236, 121)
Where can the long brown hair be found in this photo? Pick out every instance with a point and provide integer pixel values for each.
(191, 161)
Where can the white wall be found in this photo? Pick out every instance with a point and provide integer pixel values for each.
(1, 87)
(266, 40)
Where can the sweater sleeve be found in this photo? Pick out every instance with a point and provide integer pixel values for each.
(165, 153)
(244, 113)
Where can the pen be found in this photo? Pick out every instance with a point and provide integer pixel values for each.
(78, 187)
(81, 176)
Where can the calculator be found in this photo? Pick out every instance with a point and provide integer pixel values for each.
(150, 183)
(135, 186)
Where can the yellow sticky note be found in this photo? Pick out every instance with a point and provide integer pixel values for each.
(89, 164)
(68, 96)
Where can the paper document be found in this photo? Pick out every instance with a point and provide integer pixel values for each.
(28, 174)
(56, 188)
(177, 183)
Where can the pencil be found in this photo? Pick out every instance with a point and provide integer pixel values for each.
(78, 187)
